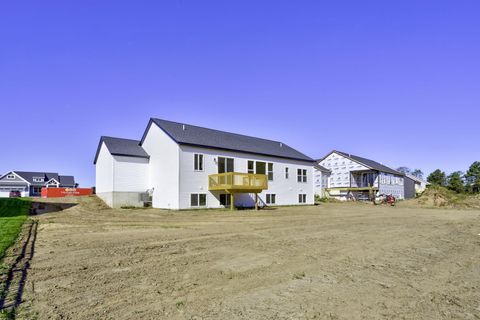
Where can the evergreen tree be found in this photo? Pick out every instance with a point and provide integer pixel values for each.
(455, 182)
(473, 177)
(437, 178)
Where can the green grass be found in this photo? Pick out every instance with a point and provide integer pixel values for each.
(13, 213)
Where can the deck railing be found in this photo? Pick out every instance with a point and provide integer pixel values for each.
(236, 181)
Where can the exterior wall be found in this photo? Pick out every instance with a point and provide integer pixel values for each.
(120, 199)
(392, 184)
(121, 180)
(104, 175)
(286, 190)
(340, 168)
(104, 171)
(163, 169)
(420, 187)
(130, 174)
(409, 188)
(320, 182)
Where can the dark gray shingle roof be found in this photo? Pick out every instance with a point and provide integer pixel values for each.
(368, 163)
(121, 147)
(67, 180)
(203, 137)
(27, 175)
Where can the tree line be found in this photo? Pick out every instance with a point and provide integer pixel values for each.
(458, 181)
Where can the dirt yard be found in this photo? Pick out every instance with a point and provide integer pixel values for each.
(332, 261)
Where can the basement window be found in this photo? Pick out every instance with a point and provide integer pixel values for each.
(302, 198)
(198, 200)
(271, 198)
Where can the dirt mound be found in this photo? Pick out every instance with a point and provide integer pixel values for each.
(444, 198)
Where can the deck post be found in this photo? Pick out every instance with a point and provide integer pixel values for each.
(232, 201)
(256, 201)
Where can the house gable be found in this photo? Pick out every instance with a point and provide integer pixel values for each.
(17, 179)
(52, 182)
(340, 167)
(121, 147)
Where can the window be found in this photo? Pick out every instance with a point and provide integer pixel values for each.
(271, 198)
(260, 167)
(37, 189)
(251, 166)
(225, 165)
(225, 200)
(11, 176)
(37, 179)
(286, 172)
(198, 162)
(198, 200)
(302, 198)
(270, 171)
(302, 175)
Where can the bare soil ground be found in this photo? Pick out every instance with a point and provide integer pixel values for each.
(333, 261)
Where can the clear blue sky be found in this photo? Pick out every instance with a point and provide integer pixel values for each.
(395, 81)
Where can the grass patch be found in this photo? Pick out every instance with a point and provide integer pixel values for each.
(179, 304)
(7, 314)
(13, 213)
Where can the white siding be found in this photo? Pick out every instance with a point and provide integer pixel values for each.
(320, 182)
(104, 171)
(130, 174)
(286, 190)
(163, 169)
(120, 180)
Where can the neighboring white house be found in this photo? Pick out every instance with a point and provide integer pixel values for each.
(420, 184)
(356, 177)
(183, 166)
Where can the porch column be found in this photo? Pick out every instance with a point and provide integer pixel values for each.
(256, 201)
(232, 201)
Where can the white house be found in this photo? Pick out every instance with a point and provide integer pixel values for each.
(183, 166)
(356, 177)
(420, 184)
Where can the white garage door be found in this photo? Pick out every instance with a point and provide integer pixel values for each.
(5, 191)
